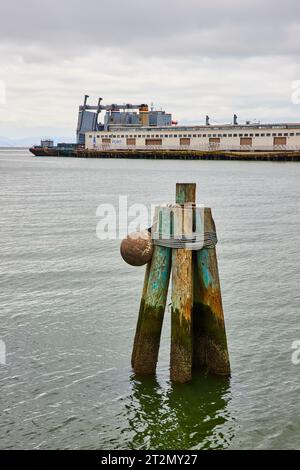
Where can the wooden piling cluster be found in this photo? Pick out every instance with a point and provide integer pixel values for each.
(198, 336)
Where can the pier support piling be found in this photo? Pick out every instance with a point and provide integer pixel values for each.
(152, 309)
(141, 310)
(210, 343)
(182, 292)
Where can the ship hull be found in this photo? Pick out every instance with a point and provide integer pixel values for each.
(51, 152)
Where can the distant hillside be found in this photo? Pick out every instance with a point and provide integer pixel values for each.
(4, 142)
(29, 141)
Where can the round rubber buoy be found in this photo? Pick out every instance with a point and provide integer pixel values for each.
(137, 248)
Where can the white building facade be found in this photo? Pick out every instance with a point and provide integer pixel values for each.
(226, 137)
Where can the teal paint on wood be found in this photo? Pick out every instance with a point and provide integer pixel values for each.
(185, 192)
(210, 343)
(149, 327)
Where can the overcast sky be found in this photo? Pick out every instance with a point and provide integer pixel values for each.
(189, 57)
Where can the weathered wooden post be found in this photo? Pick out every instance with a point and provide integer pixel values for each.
(210, 343)
(182, 290)
(141, 310)
(152, 309)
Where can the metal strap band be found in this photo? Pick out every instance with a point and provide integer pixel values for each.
(191, 242)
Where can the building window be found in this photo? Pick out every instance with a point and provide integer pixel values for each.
(234, 135)
(279, 141)
(292, 134)
(194, 135)
(90, 136)
(285, 134)
(250, 135)
(153, 141)
(214, 141)
(240, 135)
(175, 135)
(204, 135)
(262, 135)
(219, 135)
(185, 141)
(256, 135)
(224, 135)
(246, 141)
(229, 135)
(268, 135)
(280, 134)
(274, 134)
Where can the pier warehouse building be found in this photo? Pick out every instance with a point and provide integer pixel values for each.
(227, 137)
(137, 126)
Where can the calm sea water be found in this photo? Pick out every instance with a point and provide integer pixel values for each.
(68, 309)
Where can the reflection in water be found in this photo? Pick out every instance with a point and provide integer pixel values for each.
(185, 416)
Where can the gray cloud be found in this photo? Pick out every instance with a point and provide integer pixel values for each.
(190, 57)
(159, 27)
